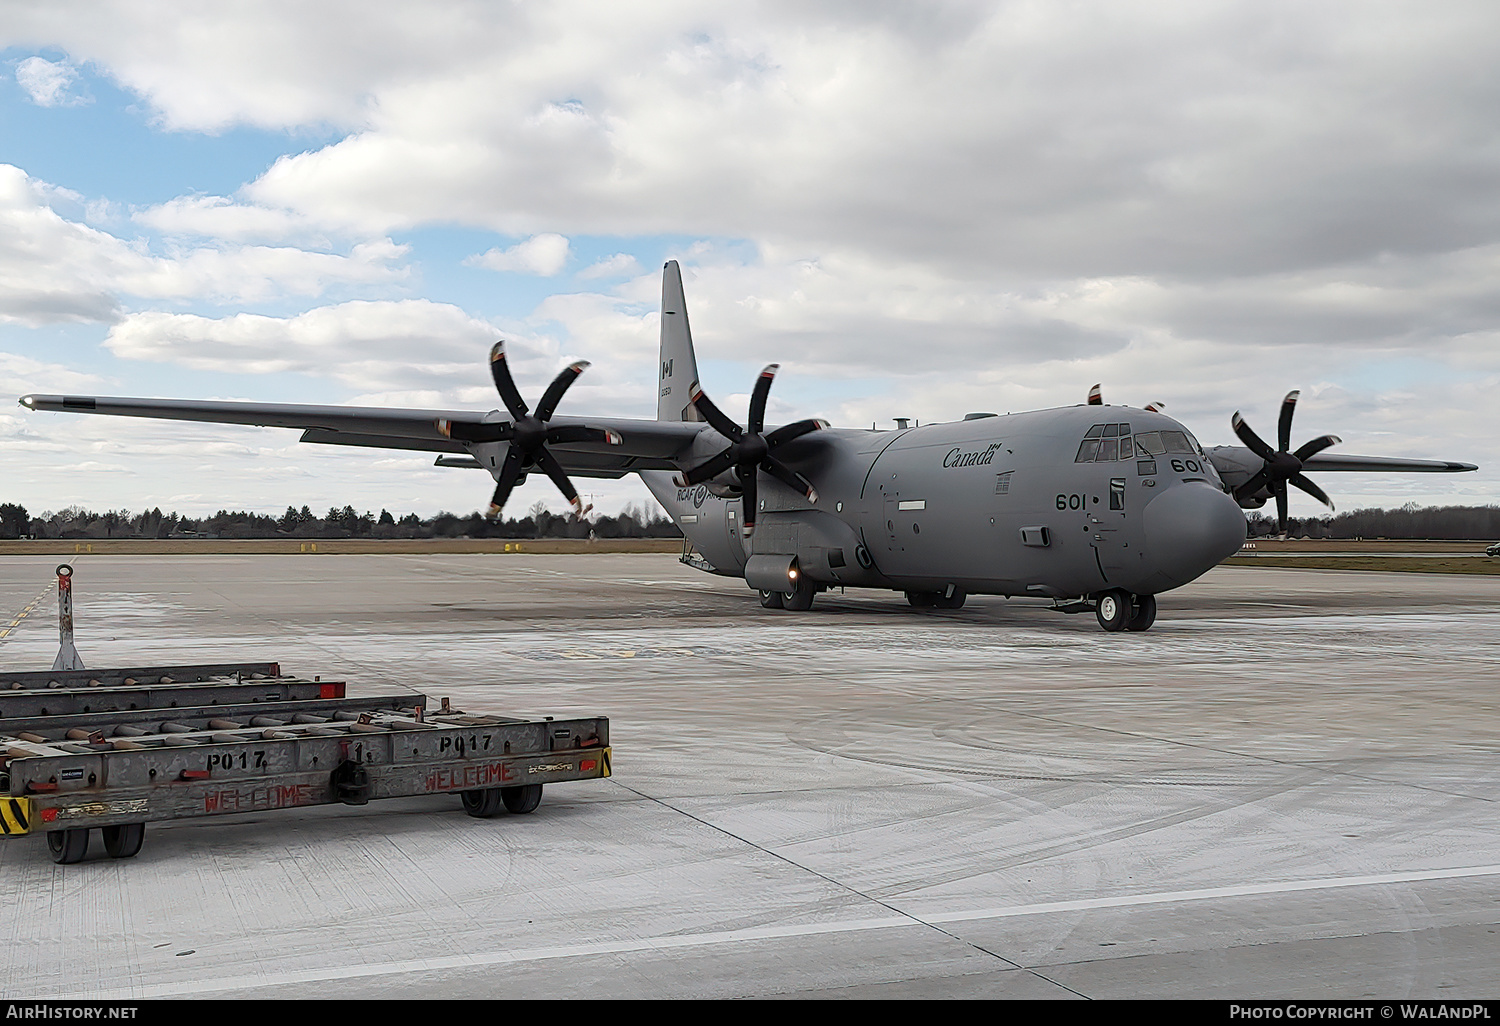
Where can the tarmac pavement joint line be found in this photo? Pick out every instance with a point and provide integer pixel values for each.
(699, 940)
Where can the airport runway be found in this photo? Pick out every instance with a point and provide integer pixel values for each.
(1286, 789)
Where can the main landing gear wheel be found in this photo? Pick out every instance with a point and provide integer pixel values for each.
(124, 841)
(1144, 615)
(922, 599)
(524, 798)
(772, 599)
(801, 595)
(1113, 610)
(484, 802)
(68, 846)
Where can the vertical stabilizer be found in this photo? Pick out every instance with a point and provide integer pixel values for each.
(679, 367)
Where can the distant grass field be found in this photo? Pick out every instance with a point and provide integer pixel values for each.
(1381, 564)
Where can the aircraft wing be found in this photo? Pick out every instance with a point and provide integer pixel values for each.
(1236, 461)
(645, 444)
(1325, 461)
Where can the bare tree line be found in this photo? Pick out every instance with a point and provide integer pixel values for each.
(1472, 523)
(78, 522)
(1410, 522)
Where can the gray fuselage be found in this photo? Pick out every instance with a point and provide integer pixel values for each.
(1024, 504)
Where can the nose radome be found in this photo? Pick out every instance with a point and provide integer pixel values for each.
(1190, 529)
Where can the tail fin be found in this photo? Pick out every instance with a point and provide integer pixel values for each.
(679, 367)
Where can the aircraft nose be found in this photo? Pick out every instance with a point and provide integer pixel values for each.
(1191, 528)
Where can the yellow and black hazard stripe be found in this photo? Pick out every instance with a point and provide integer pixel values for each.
(605, 761)
(15, 816)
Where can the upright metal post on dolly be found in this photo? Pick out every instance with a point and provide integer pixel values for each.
(67, 656)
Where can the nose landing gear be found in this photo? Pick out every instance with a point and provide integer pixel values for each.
(1121, 611)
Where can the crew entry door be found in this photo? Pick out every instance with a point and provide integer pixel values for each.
(1108, 535)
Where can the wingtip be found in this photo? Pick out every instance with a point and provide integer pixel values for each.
(28, 401)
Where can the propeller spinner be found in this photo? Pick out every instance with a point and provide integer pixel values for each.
(749, 450)
(528, 433)
(1281, 466)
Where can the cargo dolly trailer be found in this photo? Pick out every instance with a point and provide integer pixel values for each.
(117, 749)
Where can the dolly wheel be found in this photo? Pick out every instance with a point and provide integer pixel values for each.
(124, 841)
(522, 799)
(482, 803)
(68, 846)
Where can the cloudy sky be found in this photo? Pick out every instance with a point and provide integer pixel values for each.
(918, 210)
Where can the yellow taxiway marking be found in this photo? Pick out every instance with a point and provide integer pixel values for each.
(23, 614)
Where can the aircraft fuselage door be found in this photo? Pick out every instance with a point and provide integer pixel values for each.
(1108, 535)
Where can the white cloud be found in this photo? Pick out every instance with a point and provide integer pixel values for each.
(366, 345)
(545, 255)
(221, 218)
(47, 82)
(618, 266)
(53, 269)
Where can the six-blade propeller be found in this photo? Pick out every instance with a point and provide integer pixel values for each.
(528, 433)
(1280, 465)
(750, 450)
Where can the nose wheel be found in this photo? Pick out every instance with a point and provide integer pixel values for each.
(1122, 611)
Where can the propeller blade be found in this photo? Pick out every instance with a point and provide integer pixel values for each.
(1096, 396)
(510, 471)
(1316, 445)
(789, 477)
(703, 471)
(1284, 422)
(510, 395)
(796, 430)
(1250, 487)
(1256, 444)
(554, 393)
(463, 431)
(1279, 488)
(758, 397)
(1302, 481)
(553, 469)
(581, 433)
(715, 416)
(751, 493)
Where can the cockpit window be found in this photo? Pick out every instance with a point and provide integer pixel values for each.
(1177, 441)
(1106, 443)
(1148, 444)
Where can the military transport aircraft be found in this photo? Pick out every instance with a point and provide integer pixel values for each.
(1096, 508)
